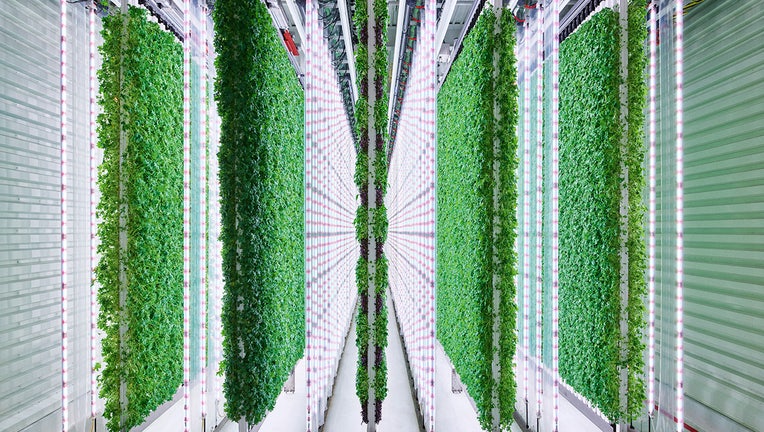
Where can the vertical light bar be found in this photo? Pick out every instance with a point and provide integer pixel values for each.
(526, 199)
(93, 185)
(186, 209)
(651, 242)
(309, 107)
(217, 287)
(679, 215)
(539, 199)
(432, 85)
(64, 229)
(555, 206)
(216, 243)
(203, 215)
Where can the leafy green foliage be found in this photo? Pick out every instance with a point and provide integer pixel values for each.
(138, 59)
(369, 219)
(636, 83)
(506, 267)
(590, 196)
(466, 134)
(261, 158)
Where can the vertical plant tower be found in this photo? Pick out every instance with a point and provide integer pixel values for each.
(371, 218)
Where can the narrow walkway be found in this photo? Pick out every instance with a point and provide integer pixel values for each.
(453, 411)
(398, 412)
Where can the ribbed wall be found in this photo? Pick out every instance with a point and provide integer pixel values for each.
(724, 210)
(30, 260)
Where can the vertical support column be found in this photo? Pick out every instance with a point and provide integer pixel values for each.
(539, 203)
(496, 294)
(679, 215)
(372, 205)
(651, 224)
(92, 86)
(526, 201)
(555, 208)
(64, 228)
(203, 217)
(186, 211)
(623, 19)
(123, 216)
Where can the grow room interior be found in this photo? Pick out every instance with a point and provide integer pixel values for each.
(381, 215)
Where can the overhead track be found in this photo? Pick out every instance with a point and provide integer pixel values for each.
(347, 32)
(397, 52)
(445, 20)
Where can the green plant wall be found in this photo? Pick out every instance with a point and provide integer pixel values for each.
(143, 336)
(591, 183)
(506, 93)
(637, 99)
(467, 130)
(371, 269)
(261, 156)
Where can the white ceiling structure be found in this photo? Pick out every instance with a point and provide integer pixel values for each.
(454, 19)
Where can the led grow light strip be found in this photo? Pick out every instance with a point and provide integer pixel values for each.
(651, 244)
(555, 206)
(680, 215)
(526, 199)
(64, 232)
(218, 258)
(432, 149)
(539, 199)
(186, 210)
(217, 286)
(203, 215)
(93, 185)
(309, 118)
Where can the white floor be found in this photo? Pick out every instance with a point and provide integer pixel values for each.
(571, 419)
(398, 412)
(453, 411)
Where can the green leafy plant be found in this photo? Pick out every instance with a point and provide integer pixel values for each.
(260, 102)
(371, 337)
(467, 130)
(141, 184)
(591, 182)
(506, 94)
(637, 96)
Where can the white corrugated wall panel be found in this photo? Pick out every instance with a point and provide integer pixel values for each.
(30, 310)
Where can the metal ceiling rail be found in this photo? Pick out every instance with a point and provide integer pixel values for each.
(477, 6)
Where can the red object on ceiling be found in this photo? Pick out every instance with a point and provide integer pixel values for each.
(289, 42)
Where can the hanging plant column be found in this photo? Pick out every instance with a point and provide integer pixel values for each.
(140, 272)
(261, 156)
(371, 218)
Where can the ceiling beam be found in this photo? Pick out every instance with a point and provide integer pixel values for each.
(400, 33)
(296, 19)
(346, 35)
(445, 21)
